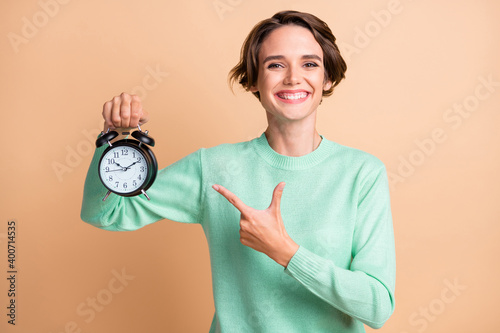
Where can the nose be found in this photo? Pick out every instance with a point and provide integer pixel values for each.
(292, 76)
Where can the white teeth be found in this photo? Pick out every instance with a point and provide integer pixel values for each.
(293, 96)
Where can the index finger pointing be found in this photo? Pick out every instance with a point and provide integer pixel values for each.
(232, 198)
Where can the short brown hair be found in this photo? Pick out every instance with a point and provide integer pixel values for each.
(246, 71)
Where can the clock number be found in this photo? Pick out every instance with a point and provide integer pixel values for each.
(140, 178)
(134, 183)
(110, 178)
(138, 160)
(115, 154)
(142, 168)
(111, 161)
(124, 152)
(107, 169)
(116, 184)
(124, 185)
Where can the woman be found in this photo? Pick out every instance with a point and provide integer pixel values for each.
(317, 256)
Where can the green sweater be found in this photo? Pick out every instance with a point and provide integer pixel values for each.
(335, 205)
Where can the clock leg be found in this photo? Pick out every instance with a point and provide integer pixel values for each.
(106, 196)
(144, 192)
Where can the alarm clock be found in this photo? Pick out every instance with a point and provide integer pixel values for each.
(127, 167)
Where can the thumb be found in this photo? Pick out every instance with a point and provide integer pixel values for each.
(277, 193)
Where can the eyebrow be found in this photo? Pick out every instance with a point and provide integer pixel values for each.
(280, 57)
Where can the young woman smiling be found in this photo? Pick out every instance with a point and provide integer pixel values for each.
(318, 256)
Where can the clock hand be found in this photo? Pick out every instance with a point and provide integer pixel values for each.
(115, 170)
(128, 167)
(124, 168)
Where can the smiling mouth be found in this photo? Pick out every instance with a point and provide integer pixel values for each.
(292, 97)
(287, 96)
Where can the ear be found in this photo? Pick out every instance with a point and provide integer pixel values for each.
(327, 85)
(254, 88)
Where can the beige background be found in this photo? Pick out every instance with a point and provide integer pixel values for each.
(411, 66)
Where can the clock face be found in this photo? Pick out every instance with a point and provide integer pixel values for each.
(123, 169)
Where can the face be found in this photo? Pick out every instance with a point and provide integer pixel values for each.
(291, 75)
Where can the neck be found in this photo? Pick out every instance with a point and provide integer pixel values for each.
(293, 138)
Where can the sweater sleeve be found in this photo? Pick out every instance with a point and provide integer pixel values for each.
(175, 195)
(366, 290)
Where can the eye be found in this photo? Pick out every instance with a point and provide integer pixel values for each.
(311, 64)
(274, 65)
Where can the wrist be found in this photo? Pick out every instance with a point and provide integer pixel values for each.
(286, 252)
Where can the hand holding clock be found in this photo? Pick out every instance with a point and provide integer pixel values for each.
(121, 114)
(124, 111)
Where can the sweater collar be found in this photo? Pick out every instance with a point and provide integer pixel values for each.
(284, 162)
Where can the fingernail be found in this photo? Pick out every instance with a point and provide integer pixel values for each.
(282, 186)
(215, 187)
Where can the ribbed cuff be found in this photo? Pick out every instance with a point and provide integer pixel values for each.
(305, 266)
